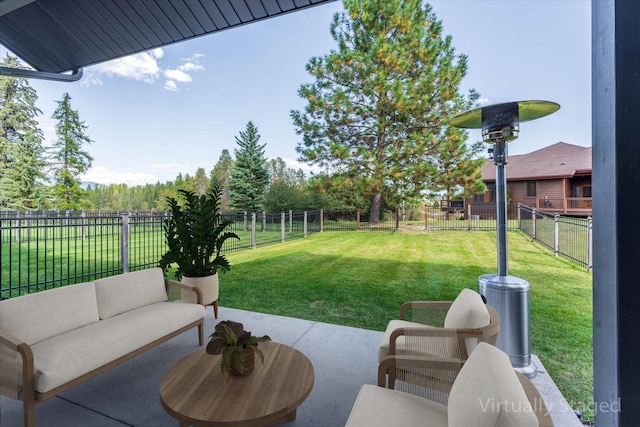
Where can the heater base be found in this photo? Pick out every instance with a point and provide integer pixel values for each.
(509, 296)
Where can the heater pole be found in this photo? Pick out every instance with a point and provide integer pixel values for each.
(500, 160)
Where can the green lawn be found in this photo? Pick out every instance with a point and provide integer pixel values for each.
(360, 279)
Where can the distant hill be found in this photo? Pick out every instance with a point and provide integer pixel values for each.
(85, 185)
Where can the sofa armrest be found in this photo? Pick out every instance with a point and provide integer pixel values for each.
(181, 285)
(16, 358)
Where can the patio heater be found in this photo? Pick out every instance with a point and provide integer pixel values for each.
(509, 295)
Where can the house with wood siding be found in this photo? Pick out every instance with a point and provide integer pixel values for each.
(555, 179)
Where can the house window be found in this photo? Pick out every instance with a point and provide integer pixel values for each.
(491, 188)
(531, 189)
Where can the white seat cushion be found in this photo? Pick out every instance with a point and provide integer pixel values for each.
(65, 357)
(487, 393)
(377, 406)
(37, 317)
(124, 292)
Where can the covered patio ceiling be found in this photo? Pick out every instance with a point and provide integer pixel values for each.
(58, 36)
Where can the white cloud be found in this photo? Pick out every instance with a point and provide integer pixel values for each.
(177, 75)
(181, 74)
(146, 67)
(170, 85)
(484, 101)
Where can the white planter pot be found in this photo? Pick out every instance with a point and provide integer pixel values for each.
(208, 286)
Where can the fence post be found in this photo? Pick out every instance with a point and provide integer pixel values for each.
(556, 235)
(84, 225)
(253, 230)
(282, 226)
(124, 243)
(533, 226)
(357, 219)
(398, 219)
(305, 223)
(18, 224)
(426, 217)
(290, 221)
(469, 217)
(590, 243)
(321, 220)
(264, 221)
(519, 216)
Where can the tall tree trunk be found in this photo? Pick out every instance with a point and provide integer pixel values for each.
(374, 214)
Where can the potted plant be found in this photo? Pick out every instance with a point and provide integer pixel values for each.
(195, 233)
(237, 346)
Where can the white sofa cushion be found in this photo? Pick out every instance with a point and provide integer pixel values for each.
(124, 292)
(487, 393)
(36, 317)
(65, 357)
(377, 406)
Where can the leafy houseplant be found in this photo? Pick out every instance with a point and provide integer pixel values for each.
(194, 234)
(237, 347)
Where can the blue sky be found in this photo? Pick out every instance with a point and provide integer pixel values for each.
(172, 110)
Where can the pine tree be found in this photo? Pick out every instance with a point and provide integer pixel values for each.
(220, 175)
(200, 182)
(380, 104)
(70, 160)
(249, 177)
(22, 154)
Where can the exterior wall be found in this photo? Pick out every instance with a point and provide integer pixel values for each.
(552, 188)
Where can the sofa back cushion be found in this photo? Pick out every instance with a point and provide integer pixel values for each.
(36, 317)
(125, 292)
(468, 311)
(487, 393)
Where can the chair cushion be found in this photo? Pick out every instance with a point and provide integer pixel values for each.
(67, 356)
(124, 292)
(467, 311)
(36, 317)
(377, 406)
(487, 393)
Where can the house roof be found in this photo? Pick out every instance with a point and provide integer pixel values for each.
(64, 35)
(560, 160)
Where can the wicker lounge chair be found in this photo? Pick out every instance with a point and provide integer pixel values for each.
(449, 329)
(486, 392)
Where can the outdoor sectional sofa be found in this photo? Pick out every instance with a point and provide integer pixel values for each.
(53, 340)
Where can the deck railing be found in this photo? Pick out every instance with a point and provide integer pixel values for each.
(567, 205)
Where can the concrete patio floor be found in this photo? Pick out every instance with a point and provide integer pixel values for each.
(344, 359)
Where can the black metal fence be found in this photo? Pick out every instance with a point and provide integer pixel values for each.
(568, 237)
(42, 250)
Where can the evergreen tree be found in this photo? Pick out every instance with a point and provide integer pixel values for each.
(220, 175)
(380, 104)
(459, 167)
(249, 176)
(22, 154)
(200, 182)
(69, 157)
(287, 189)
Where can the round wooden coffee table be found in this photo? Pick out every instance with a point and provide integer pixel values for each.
(193, 390)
